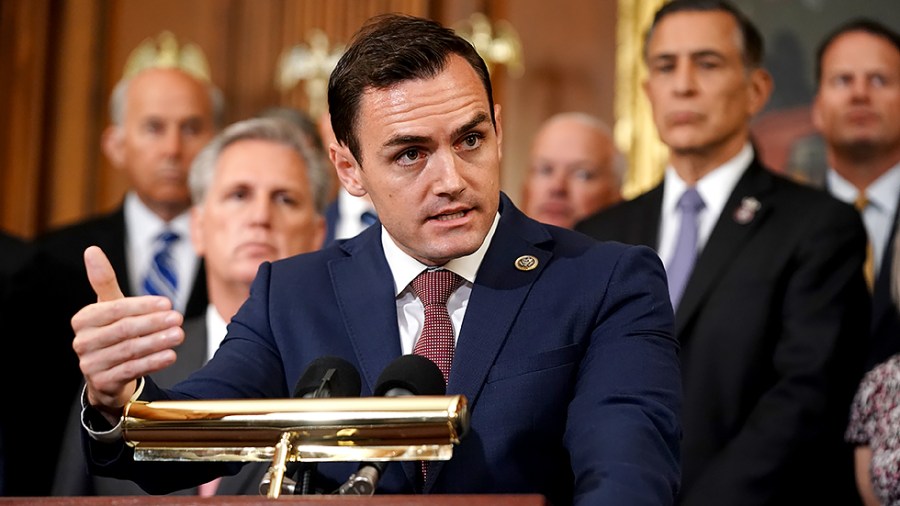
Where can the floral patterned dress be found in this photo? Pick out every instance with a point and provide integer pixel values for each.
(875, 422)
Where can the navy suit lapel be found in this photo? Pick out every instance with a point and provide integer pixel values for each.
(497, 296)
(363, 285)
(500, 288)
(728, 237)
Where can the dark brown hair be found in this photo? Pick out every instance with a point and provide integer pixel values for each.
(389, 49)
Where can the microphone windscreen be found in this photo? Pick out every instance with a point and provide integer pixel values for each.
(344, 381)
(413, 373)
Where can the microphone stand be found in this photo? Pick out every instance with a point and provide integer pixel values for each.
(274, 483)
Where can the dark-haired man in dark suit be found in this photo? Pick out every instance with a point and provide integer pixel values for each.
(857, 112)
(765, 276)
(562, 345)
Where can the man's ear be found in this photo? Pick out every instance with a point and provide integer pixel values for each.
(112, 144)
(816, 113)
(348, 170)
(761, 86)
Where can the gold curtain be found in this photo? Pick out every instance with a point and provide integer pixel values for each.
(634, 130)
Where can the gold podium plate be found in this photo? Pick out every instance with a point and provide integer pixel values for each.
(318, 430)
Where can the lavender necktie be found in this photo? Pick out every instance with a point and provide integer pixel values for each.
(682, 263)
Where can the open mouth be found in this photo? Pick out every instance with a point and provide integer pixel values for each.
(451, 216)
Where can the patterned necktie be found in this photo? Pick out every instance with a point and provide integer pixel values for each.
(433, 288)
(861, 203)
(162, 278)
(690, 204)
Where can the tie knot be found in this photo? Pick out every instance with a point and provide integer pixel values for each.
(691, 202)
(861, 202)
(435, 286)
(166, 238)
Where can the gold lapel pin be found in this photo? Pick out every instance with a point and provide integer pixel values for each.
(526, 263)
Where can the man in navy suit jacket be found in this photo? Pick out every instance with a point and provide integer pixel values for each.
(564, 346)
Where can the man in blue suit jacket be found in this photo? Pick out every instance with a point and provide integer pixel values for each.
(564, 346)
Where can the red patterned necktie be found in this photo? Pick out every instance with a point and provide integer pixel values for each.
(433, 288)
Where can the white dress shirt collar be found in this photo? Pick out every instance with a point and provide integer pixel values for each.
(410, 312)
(216, 328)
(715, 188)
(878, 217)
(350, 210)
(142, 227)
(405, 268)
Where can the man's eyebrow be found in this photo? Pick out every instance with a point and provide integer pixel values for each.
(405, 140)
(705, 53)
(474, 122)
(700, 53)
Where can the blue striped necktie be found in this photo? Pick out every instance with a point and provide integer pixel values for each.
(162, 278)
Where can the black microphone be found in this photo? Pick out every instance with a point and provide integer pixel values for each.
(328, 377)
(325, 377)
(406, 375)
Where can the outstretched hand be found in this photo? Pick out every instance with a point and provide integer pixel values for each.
(119, 339)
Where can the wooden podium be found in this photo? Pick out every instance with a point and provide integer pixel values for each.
(287, 500)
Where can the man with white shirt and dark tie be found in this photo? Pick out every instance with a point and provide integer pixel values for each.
(769, 296)
(857, 112)
(258, 189)
(163, 111)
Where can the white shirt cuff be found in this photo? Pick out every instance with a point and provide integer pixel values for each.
(91, 418)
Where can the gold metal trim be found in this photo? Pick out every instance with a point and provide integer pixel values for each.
(322, 430)
(634, 131)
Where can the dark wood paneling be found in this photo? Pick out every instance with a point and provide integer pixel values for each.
(24, 40)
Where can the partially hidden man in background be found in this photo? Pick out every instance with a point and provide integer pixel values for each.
(857, 112)
(258, 191)
(163, 111)
(771, 309)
